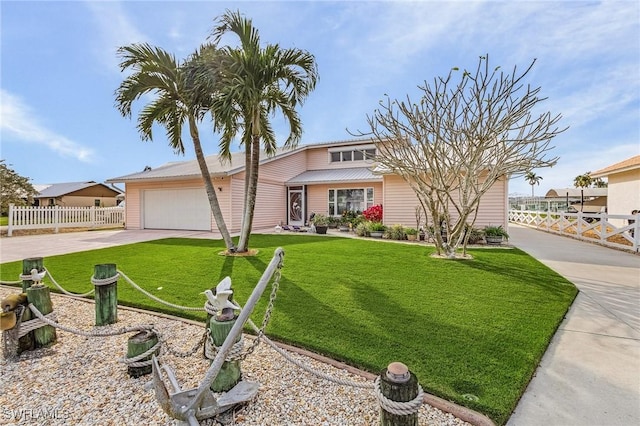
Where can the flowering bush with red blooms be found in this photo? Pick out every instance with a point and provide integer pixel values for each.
(373, 213)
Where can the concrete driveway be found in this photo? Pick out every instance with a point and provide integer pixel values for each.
(18, 248)
(590, 374)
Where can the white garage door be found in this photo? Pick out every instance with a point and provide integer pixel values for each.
(177, 209)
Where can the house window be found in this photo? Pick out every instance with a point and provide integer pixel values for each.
(52, 202)
(355, 199)
(352, 154)
(96, 203)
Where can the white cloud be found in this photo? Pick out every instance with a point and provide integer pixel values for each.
(18, 120)
(115, 29)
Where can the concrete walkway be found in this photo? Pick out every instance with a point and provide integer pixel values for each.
(590, 374)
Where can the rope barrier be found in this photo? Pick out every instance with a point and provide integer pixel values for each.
(396, 407)
(11, 282)
(100, 333)
(136, 361)
(28, 326)
(105, 281)
(308, 369)
(68, 293)
(157, 299)
(235, 354)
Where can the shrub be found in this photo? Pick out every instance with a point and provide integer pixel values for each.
(396, 232)
(377, 226)
(373, 213)
(362, 229)
(411, 231)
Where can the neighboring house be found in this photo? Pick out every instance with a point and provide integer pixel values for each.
(623, 180)
(77, 194)
(595, 199)
(325, 178)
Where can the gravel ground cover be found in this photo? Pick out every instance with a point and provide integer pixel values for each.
(81, 381)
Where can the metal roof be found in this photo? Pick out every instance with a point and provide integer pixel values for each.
(356, 174)
(60, 189)
(576, 192)
(190, 169)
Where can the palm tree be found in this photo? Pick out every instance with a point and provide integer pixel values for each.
(583, 181)
(258, 82)
(176, 100)
(599, 183)
(533, 179)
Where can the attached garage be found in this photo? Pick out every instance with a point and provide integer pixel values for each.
(186, 209)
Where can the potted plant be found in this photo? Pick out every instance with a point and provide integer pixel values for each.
(321, 223)
(495, 234)
(475, 235)
(376, 229)
(412, 234)
(344, 223)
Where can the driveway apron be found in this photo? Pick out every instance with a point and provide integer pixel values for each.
(590, 374)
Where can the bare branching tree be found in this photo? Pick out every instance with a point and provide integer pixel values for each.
(460, 139)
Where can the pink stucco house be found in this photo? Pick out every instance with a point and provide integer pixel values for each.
(325, 178)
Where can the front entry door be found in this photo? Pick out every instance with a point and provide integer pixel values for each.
(296, 206)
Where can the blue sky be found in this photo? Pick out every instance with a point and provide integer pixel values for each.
(60, 71)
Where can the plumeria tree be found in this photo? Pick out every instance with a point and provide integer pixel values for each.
(467, 132)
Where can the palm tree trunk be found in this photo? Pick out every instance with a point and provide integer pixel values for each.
(208, 184)
(250, 196)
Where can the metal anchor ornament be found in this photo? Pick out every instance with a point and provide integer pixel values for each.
(190, 406)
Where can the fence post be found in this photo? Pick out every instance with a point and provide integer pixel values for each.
(398, 384)
(105, 280)
(10, 228)
(56, 218)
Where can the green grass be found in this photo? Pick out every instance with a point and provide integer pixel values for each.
(474, 327)
(4, 220)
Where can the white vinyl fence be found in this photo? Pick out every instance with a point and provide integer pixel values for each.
(613, 230)
(57, 217)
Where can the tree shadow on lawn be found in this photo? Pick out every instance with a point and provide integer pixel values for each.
(456, 354)
(523, 269)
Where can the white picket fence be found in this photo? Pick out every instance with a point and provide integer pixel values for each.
(57, 217)
(594, 227)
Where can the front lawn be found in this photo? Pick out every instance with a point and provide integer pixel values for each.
(472, 331)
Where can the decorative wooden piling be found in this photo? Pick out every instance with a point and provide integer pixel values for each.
(230, 372)
(27, 342)
(27, 266)
(40, 297)
(398, 384)
(106, 294)
(137, 345)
